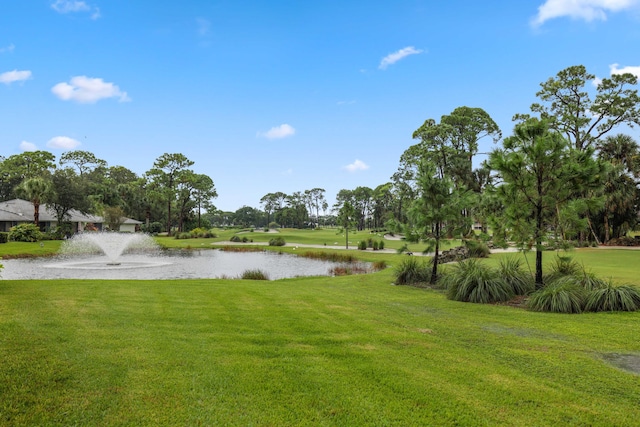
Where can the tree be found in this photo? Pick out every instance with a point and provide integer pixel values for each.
(35, 190)
(569, 109)
(83, 160)
(113, 216)
(297, 209)
(165, 175)
(204, 191)
(316, 200)
(540, 174)
(346, 220)
(69, 192)
(247, 216)
(15, 169)
(273, 202)
(451, 144)
(382, 201)
(621, 192)
(439, 206)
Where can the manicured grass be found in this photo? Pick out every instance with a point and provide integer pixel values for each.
(620, 265)
(309, 351)
(21, 249)
(328, 236)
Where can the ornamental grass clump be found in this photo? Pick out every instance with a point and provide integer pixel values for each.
(613, 298)
(589, 281)
(472, 281)
(563, 295)
(562, 266)
(411, 272)
(254, 275)
(520, 280)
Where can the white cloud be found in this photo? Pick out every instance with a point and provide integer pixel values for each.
(28, 146)
(588, 10)
(358, 165)
(7, 48)
(70, 6)
(628, 69)
(63, 142)
(278, 132)
(394, 57)
(86, 90)
(596, 81)
(15, 76)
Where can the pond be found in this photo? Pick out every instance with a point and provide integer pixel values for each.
(191, 264)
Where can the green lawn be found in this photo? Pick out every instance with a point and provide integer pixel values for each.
(309, 351)
(328, 236)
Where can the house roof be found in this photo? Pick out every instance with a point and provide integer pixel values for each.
(18, 210)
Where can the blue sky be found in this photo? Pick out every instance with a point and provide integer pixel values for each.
(269, 96)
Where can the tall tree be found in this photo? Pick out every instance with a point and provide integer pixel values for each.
(621, 194)
(540, 174)
(69, 192)
(439, 206)
(346, 220)
(451, 144)
(35, 190)
(204, 192)
(84, 161)
(569, 109)
(18, 167)
(316, 199)
(165, 174)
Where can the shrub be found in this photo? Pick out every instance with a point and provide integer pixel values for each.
(381, 245)
(477, 248)
(521, 281)
(328, 256)
(589, 281)
(254, 275)
(472, 281)
(375, 245)
(235, 238)
(274, 225)
(200, 232)
(563, 295)
(154, 228)
(4, 237)
(245, 239)
(412, 271)
(613, 298)
(277, 241)
(25, 233)
(184, 235)
(561, 267)
(348, 270)
(362, 245)
(379, 265)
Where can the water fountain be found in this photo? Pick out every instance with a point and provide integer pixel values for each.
(113, 245)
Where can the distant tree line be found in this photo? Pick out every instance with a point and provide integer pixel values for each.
(169, 197)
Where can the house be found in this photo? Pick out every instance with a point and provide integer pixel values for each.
(17, 211)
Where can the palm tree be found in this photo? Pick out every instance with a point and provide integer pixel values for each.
(623, 153)
(35, 190)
